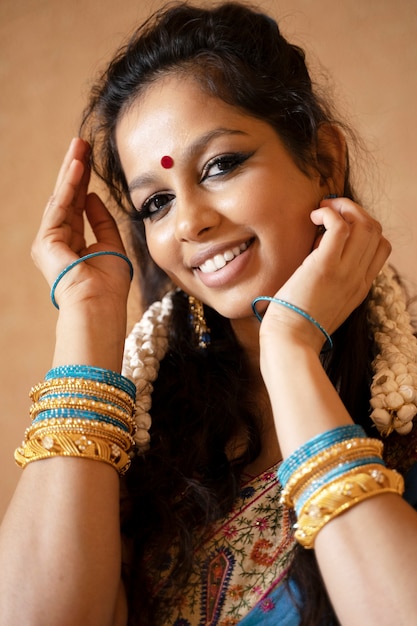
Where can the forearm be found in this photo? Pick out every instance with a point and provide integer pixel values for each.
(368, 558)
(367, 555)
(60, 540)
(303, 400)
(60, 545)
(93, 334)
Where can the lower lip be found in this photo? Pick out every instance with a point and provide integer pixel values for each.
(228, 274)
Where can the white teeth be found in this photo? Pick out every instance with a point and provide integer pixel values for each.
(208, 266)
(220, 260)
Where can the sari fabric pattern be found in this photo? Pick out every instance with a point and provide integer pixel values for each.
(238, 563)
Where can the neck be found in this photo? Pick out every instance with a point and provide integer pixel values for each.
(247, 334)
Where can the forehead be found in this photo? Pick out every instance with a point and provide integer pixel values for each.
(173, 109)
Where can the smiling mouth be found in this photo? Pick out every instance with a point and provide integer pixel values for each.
(220, 260)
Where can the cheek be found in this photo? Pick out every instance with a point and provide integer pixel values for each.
(160, 247)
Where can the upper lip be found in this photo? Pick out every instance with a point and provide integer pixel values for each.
(203, 255)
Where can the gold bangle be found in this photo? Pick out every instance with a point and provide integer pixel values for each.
(342, 494)
(86, 404)
(72, 445)
(96, 429)
(64, 394)
(80, 385)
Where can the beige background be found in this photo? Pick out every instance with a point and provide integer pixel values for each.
(49, 52)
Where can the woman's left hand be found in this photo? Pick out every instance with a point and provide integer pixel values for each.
(336, 276)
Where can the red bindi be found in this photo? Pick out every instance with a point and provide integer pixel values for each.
(167, 162)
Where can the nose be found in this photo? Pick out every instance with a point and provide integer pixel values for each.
(194, 217)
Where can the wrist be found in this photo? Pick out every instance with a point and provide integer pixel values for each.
(91, 333)
(285, 334)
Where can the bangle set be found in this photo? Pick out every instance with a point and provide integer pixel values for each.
(332, 473)
(81, 411)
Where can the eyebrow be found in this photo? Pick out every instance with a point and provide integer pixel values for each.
(149, 177)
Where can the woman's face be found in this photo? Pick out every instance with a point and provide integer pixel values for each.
(229, 220)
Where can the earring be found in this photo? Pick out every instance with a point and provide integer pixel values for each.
(198, 322)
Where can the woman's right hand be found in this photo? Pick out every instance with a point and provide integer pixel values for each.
(61, 238)
(92, 297)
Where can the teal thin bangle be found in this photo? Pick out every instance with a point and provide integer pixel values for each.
(90, 372)
(297, 310)
(78, 414)
(81, 260)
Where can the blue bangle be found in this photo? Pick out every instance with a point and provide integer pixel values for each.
(81, 260)
(99, 374)
(297, 310)
(78, 414)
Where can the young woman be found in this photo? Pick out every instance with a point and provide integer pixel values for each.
(208, 133)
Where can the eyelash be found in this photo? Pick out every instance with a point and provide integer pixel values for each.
(233, 160)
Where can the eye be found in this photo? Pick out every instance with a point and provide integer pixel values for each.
(155, 204)
(224, 164)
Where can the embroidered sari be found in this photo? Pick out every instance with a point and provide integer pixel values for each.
(239, 564)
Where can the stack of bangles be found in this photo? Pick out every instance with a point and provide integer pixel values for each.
(330, 474)
(81, 411)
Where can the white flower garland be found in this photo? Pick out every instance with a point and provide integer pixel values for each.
(394, 384)
(145, 347)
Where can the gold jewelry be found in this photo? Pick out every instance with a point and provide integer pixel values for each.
(198, 322)
(98, 389)
(332, 457)
(74, 444)
(83, 404)
(342, 494)
(84, 427)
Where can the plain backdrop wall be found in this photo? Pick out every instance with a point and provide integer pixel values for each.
(49, 53)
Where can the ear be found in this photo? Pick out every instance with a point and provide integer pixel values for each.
(331, 159)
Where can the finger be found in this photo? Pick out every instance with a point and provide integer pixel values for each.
(366, 239)
(333, 235)
(78, 149)
(103, 224)
(363, 232)
(59, 208)
(365, 248)
(379, 259)
(82, 190)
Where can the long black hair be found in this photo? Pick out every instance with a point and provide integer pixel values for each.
(238, 55)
